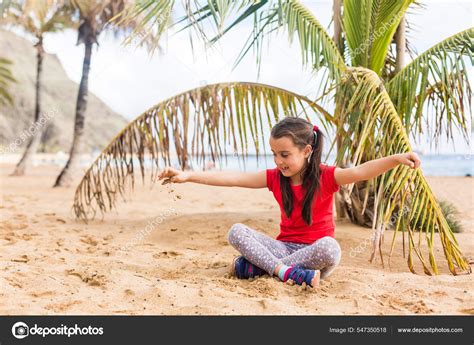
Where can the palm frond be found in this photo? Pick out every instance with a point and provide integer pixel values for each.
(37, 17)
(437, 79)
(220, 11)
(151, 18)
(199, 123)
(317, 48)
(375, 130)
(369, 26)
(58, 20)
(148, 21)
(4, 7)
(95, 16)
(6, 78)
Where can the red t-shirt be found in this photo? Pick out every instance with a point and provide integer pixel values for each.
(294, 229)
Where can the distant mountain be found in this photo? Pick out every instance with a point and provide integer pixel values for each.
(58, 102)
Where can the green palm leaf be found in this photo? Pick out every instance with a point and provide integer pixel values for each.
(317, 47)
(154, 17)
(197, 123)
(369, 26)
(149, 19)
(437, 78)
(376, 130)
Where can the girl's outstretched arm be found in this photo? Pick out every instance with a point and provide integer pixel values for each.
(217, 178)
(374, 168)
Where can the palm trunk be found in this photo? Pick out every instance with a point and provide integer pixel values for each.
(351, 207)
(34, 140)
(65, 177)
(340, 196)
(401, 44)
(337, 20)
(355, 207)
(346, 205)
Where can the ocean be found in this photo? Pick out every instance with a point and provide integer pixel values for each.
(432, 164)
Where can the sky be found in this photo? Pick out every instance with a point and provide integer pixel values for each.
(130, 81)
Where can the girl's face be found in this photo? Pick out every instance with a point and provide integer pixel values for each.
(288, 157)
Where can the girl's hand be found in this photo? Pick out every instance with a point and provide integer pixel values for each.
(173, 175)
(410, 159)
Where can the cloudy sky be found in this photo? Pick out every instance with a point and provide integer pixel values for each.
(129, 80)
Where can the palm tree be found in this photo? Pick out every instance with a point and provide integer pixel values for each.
(36, 18)
(93, 17)
(376, 110)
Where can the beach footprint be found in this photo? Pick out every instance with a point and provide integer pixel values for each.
(167, 254)
(88, 277)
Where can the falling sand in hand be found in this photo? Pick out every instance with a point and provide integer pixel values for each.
(167, 182)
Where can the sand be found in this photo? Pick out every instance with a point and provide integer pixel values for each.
(163, 254)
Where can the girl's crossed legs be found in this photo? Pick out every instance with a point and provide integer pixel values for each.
(268, 253)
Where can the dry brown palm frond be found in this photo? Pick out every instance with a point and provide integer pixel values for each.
(196, 123)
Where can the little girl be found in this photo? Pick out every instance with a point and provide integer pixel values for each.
(305, 250)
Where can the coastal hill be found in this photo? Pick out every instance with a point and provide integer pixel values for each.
(58, 100)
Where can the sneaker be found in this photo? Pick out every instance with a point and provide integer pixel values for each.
(244, 269)
(301, 275)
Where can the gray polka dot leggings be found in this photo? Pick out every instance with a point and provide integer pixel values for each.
(266, 252)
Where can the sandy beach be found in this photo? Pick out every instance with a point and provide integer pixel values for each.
(53, 264)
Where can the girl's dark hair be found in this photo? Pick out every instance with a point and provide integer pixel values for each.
(301, 133)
